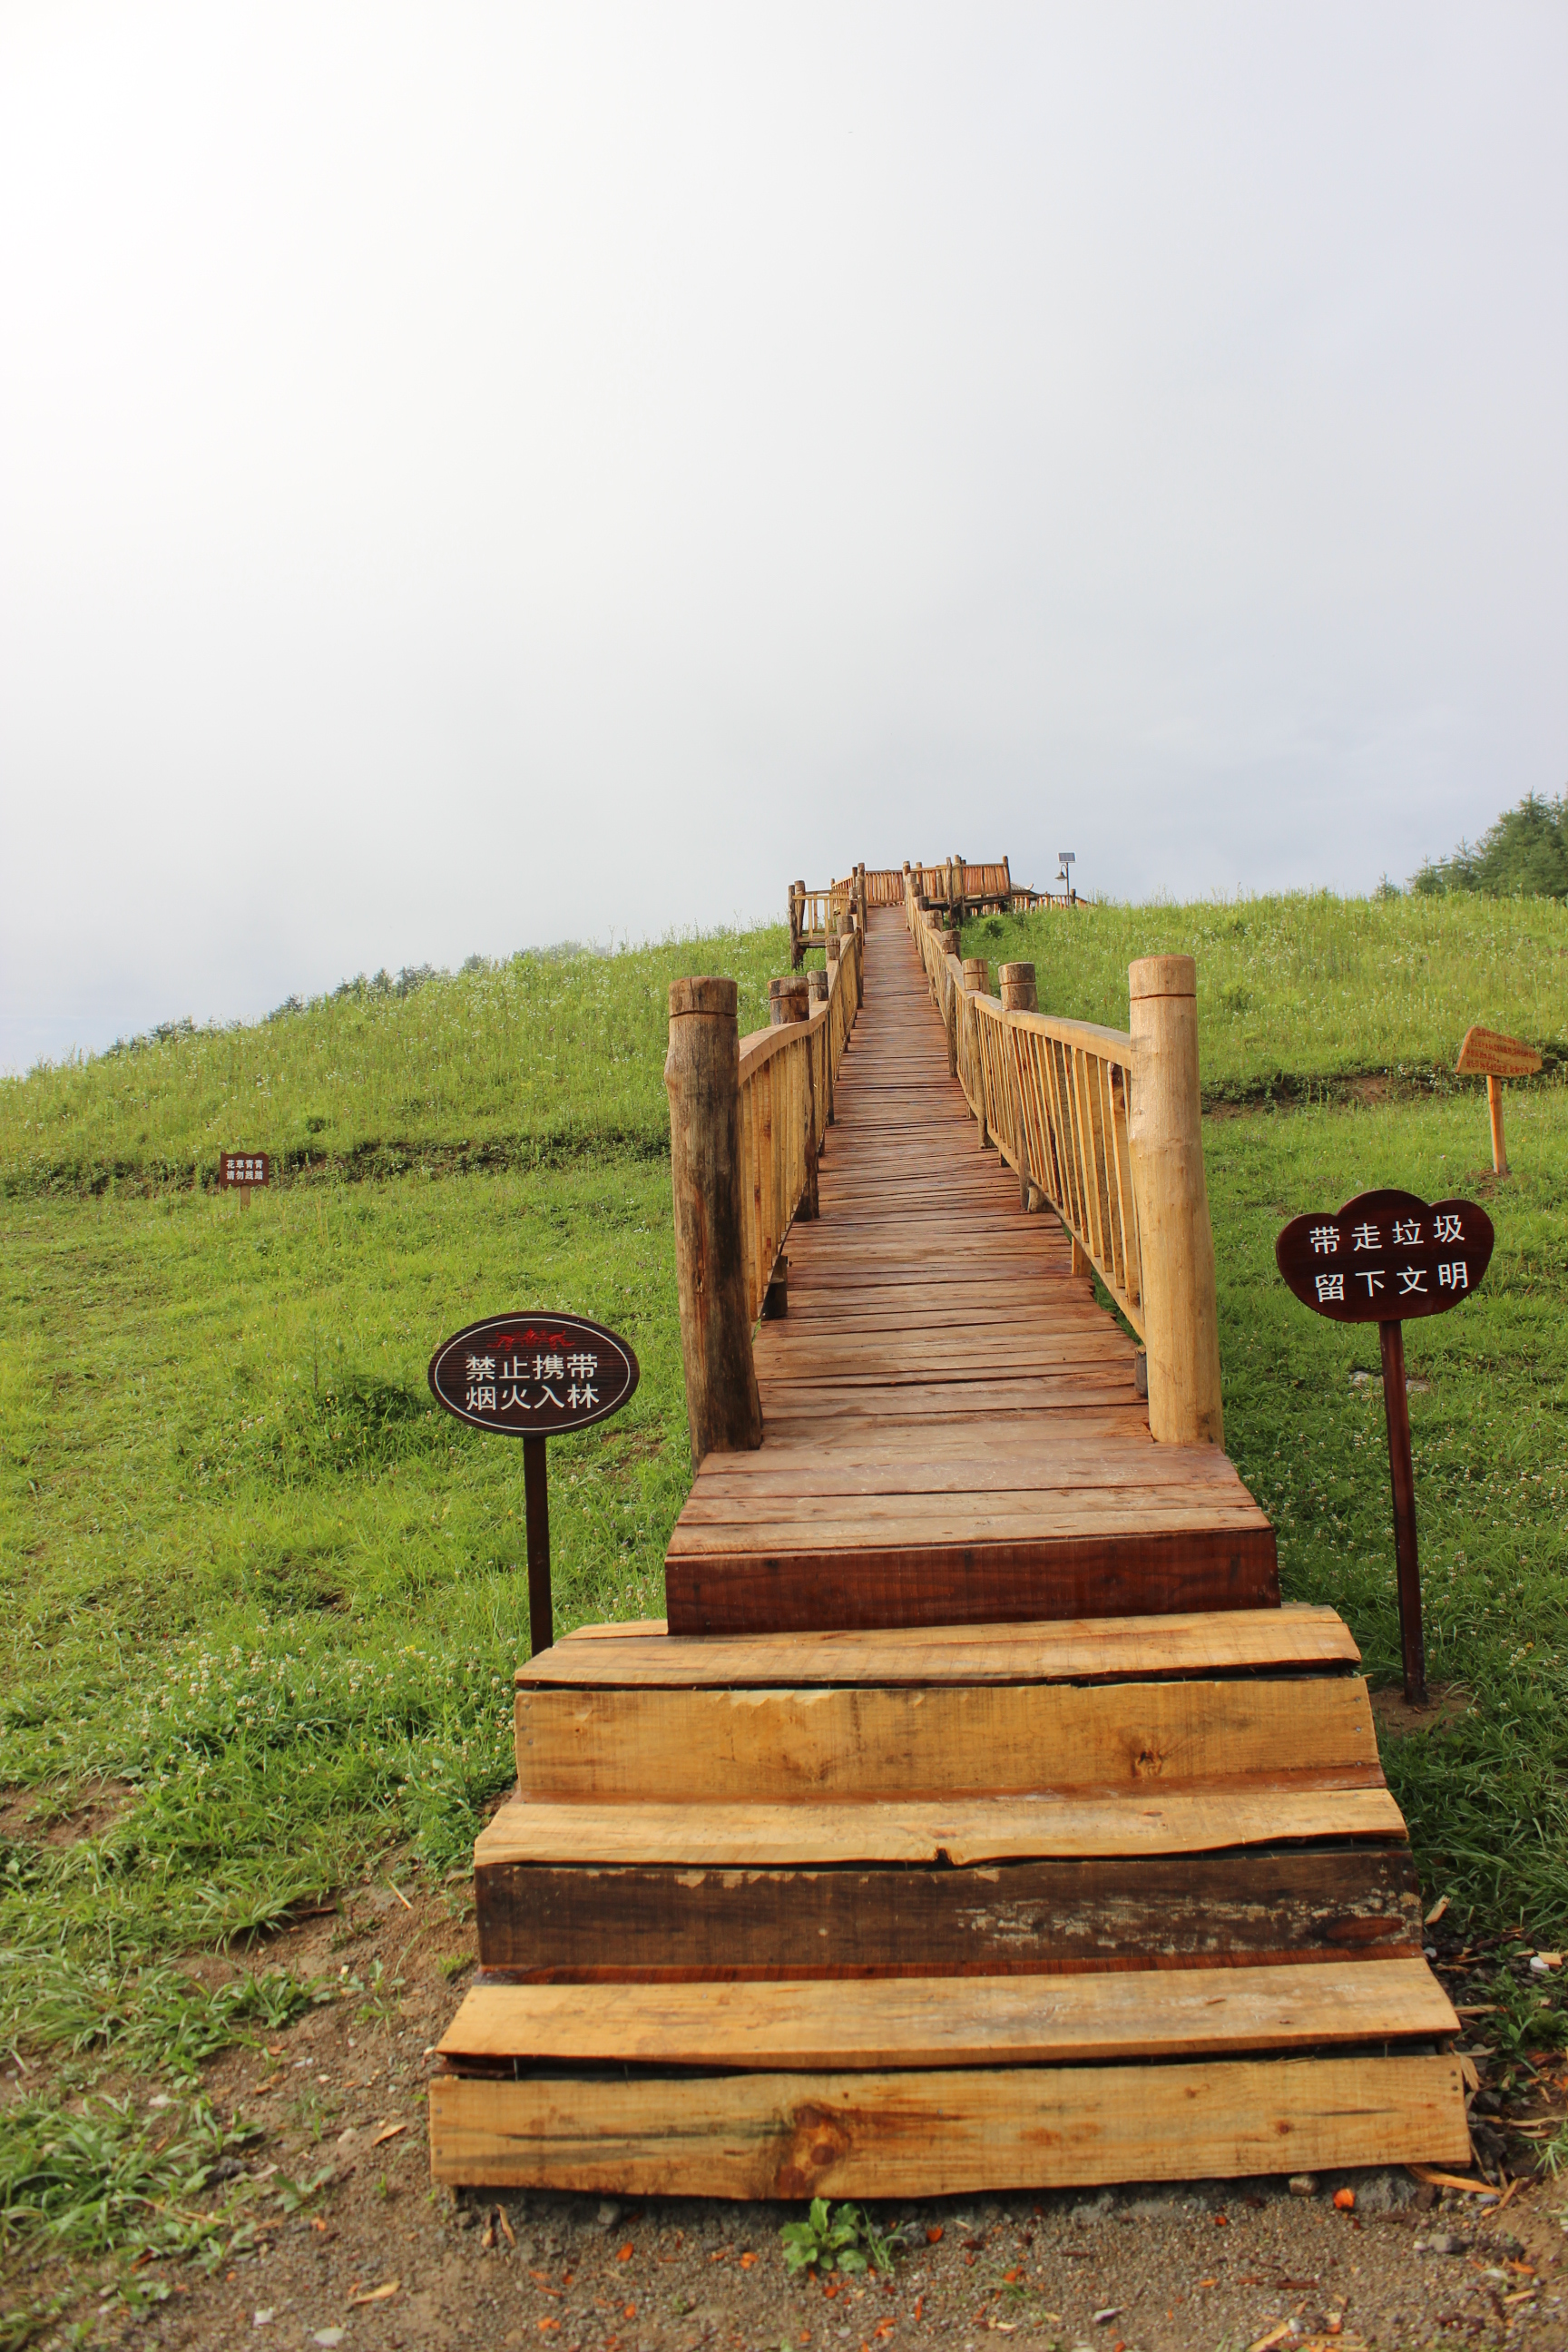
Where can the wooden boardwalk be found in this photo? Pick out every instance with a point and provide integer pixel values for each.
(950, 1429)
(980, 1820)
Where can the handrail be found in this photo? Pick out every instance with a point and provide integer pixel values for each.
(786, 1075)
(1111, 1155)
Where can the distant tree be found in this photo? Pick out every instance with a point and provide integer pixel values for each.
(1523, 856)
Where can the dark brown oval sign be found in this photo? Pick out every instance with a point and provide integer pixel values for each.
(532, 1375)
(1385, 1256)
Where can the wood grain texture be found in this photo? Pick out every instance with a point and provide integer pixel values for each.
(954, 2131)
(803, 2025)
(737, 1590)
(949, 1738)
(953, 1431)
(1299, 1637)
(583, 1922)
(958, 1831)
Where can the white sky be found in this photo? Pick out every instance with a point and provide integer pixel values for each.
(475, 476)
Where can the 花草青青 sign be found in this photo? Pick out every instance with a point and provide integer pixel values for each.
(244, 1169)
(532, 1375)
(1385, 1256)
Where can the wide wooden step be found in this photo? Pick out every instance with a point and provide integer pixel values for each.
(929, 1909)
(1039, 1711)
(950, 2131)
(1008, 2020)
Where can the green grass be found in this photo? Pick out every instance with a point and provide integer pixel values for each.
(1307, 988)
(1487, 1797)
(545, 1058)
(255, 1583)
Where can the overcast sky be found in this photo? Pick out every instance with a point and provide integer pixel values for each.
(475, 476)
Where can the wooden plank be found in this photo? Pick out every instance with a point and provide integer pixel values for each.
(1112, 1575)
(1298, 1636)
(585, 1922)
(947, 1738)
(803, 2025)
(952, 2132)
(957, 1832)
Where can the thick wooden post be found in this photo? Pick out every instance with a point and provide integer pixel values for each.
(788, 999)
(1015, 984)
(796, 923)
(977, 980)
(819, 984)
(702, 1074)
(1166, 1140)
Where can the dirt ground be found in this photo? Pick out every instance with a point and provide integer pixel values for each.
(378, 2258)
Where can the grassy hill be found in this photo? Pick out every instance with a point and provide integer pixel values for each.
(258, 1592)
(550, 1058)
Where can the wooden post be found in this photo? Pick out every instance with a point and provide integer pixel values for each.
(1407, 1568)
(702, 1075)
(977, 980)
(1166, 1146)
(536, 1525)
(789, 1002)
(796, 923)
(1016, 984)
(818, 984)
(1494, 1108)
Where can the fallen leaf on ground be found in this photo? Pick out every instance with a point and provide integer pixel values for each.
(1276, 2335)
(388, 2131)
(1434, 2179)
(508, 2233)
(377, 2294)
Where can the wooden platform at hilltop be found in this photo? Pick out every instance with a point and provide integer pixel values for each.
(950, 1428)
(979, 1819)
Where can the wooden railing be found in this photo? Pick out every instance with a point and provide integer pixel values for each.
(747, 1120)
(1103, 1126)
(787, 1072)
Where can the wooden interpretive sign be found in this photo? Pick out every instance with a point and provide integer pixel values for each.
(244, 1169)
(1383, 1257)
(1488, 1054)
(534, 1377)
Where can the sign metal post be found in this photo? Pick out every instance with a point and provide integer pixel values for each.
(535, 1377)
(1384, 1257)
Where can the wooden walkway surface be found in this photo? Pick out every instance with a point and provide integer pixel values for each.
(950, 1429)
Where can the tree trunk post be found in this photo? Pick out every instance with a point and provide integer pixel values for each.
(1016, 985)
(702, 1075)
(1166, 1140)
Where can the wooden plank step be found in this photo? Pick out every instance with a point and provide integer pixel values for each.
(953, 2131)
(588, 1923)
(1111, 1574)
(956, 1831)
(1300, 1637)
(948, 1738)
(868, 2022)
